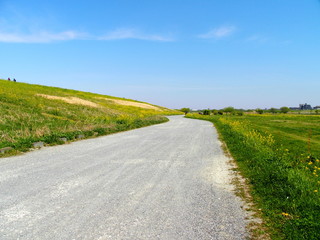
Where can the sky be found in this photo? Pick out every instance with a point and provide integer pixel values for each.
(173, 53)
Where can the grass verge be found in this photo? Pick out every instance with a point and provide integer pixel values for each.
(282, 169)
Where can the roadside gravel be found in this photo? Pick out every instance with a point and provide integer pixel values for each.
(168, 181)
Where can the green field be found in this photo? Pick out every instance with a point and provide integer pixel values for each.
(279, 155)
(31, 113)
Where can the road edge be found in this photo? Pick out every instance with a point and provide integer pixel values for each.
(256, 226)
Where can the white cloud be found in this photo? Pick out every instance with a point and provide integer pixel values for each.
(127, 33)
(257, 38)
(219, 32)
(40, 37)
(47, 37)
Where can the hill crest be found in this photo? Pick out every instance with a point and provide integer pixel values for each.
(31, 113)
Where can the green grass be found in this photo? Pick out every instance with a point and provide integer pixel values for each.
(26, 117)
(279, 154)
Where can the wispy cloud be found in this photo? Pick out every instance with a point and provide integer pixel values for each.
(219, 32)
(47, 37)
(257, 38)
(40, 37)
(129, 33)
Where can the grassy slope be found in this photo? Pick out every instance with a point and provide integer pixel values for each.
(272, 151)
(26, 118)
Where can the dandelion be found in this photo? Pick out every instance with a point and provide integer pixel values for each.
(285, 214)
(316, 191)
(310, 163)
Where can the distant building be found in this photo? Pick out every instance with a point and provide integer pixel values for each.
(303, 107)
(316, 107)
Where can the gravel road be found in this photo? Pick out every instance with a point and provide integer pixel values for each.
(169, 181)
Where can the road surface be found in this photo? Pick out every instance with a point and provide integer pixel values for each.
(168, 181)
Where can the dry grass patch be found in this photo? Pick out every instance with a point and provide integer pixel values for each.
(39, 132)
(71, 100)
(133, 104)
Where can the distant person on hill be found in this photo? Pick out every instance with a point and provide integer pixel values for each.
(14, 80)
(9, 79)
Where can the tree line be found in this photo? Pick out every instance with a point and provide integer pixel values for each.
(232, 111)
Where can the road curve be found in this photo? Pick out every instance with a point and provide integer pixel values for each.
(168, 181)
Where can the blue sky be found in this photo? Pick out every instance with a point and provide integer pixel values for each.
(174, 53)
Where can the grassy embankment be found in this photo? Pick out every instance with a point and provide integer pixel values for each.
(31, 113)
(279, 155)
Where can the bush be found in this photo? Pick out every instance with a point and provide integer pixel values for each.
(185, 110)
(206, 112)
(260, 111)
(228, 110)
(239, 113)
(215, 112)
(284, 110)
(273, 110)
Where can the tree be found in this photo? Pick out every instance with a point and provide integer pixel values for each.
(185, 110)
(228, 110)
(214, 111)
(206, 112)
(284, 109)
(273, 110)
(260, 111)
